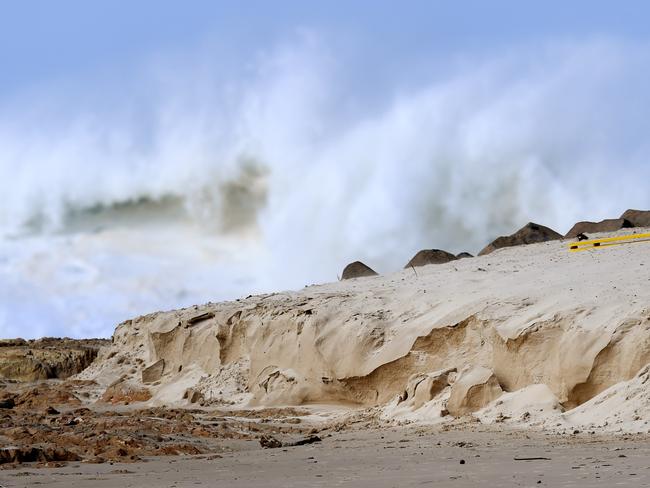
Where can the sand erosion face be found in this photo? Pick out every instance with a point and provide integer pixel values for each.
(576, 323)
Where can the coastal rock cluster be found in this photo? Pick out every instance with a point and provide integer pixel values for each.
(530, 233)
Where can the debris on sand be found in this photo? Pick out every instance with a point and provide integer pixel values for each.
(269, 442)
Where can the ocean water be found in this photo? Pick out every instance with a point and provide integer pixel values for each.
(212, 184)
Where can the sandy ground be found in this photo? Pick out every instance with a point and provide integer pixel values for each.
(395, 457)
(525, 367)
(547, 329)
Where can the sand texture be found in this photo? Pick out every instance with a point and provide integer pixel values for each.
(388, 458)
(530, 335)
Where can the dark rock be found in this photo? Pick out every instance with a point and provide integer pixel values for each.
(19, 455)
(530, 233)
(607, 225)
(7, 403)
(357, 270)
(269, 442)
(13, 342)
(430, 256)
(153, 372)
(308, 440)
(464, 255)
(638, 218)
(51, 411)
(34, 454)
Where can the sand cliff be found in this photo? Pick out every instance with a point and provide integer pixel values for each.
(530, 334)
(46, 358)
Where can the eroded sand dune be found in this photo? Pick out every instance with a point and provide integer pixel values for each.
(533, 325)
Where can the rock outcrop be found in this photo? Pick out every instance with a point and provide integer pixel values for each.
(475, 387)
(430, 256)
(18, 455)
(463, 255)
(638, 218)
(530, 233)
(46, 358)
(607, 225)
(58, 421)
(357, 270)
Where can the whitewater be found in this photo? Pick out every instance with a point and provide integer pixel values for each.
(224, 183)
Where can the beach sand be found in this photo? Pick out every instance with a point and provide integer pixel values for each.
(390, 457)
(390, 380)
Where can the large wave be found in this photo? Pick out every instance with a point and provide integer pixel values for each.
(306, 164)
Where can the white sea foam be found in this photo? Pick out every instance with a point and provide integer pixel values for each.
(214, 187)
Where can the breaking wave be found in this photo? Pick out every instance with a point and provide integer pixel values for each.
(292, 162)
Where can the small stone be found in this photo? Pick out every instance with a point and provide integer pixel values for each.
(269, 442)
(8, 403)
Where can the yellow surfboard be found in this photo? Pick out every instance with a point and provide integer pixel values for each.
(607, 242)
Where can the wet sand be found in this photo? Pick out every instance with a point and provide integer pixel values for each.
(395, 457)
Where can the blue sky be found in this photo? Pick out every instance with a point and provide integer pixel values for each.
(43, 40)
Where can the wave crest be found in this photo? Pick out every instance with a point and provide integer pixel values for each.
(552, 133)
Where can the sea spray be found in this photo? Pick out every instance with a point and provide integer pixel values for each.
(279, 176)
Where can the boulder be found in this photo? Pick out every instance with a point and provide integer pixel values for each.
(464, 255)
(357, 270)
(638, 218)
(430, 256)
(607, 225)
(154, 372)
(475, 387)
(530, 233)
